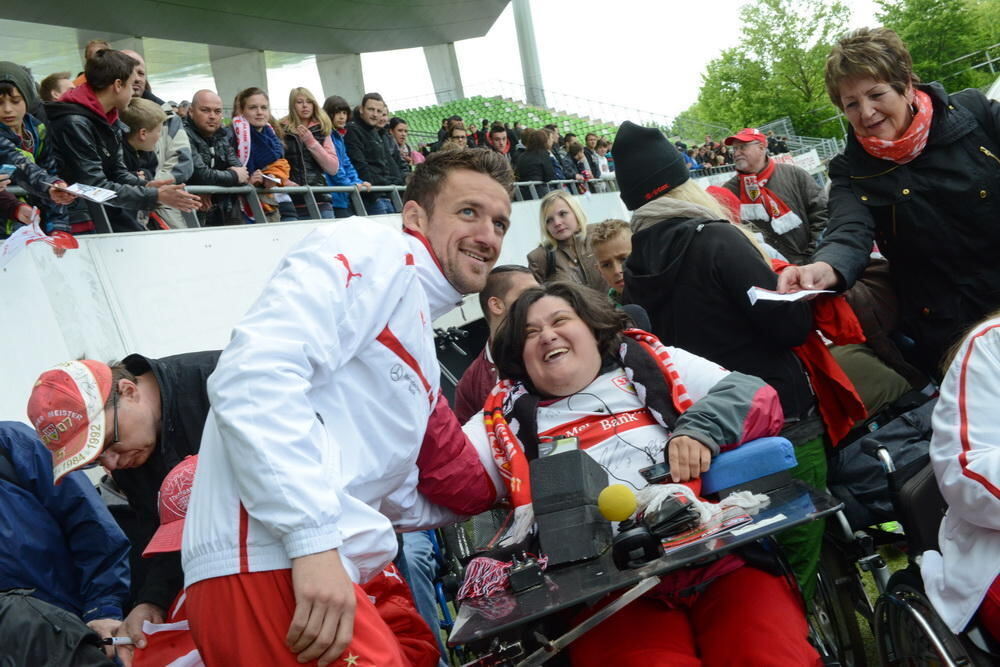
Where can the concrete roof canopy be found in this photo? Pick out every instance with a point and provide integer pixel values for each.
(299, 26)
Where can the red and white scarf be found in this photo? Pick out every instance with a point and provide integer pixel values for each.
(913, 141)
(758, 202)
(508, 453)
(241, 128)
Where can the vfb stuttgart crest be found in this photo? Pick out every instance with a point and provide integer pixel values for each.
(751, 186)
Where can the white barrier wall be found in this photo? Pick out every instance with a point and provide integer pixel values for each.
(169, 292)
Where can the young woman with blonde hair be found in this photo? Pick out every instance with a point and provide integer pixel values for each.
(563, 253)
(309, 149)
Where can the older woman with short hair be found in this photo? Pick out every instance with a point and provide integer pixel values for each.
(921, 176)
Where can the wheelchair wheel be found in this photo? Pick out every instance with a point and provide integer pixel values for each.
(908, 632)
(833, 618)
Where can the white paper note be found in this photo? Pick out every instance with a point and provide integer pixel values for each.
(760, 294)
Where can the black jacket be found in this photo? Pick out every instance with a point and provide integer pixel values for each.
(595, 168)
(397, 166)
(305, 169)
(565, 163)
(34, 632)
(141, 163)
(89, 150)
(534, 166)
(369, 155)
(692, 277)
(212, 157)
(183, 410)
(934, 218)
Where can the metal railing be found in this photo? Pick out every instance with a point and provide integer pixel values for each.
(102, 224)
(709, 171)
(825, 148)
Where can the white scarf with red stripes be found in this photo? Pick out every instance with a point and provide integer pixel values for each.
(759, 203)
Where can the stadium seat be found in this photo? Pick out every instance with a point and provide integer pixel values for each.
(427, 120)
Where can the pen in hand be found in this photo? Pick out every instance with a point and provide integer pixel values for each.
(117, 641)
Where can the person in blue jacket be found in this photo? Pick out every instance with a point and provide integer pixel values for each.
(59, 540)
(339, 111)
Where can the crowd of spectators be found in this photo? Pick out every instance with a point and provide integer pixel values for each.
(703, 370)
(106, 128)
(714, 154)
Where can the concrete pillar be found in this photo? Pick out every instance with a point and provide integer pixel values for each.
(445, 75)
(533, 89)
(341, 74)
(129, 44)
(236, 69)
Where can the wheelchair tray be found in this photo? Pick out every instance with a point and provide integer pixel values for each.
(589, 581)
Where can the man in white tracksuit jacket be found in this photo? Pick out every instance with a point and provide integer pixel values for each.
(319, 405)
(965, 453)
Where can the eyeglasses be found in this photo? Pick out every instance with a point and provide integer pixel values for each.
(114, 405)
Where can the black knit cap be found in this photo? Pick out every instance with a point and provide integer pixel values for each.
(646, 164)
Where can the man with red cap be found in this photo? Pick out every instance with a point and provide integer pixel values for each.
(780, 200)
(143, 417)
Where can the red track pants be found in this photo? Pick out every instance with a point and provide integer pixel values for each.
(242, 619)
(746, 617)
(989, 611)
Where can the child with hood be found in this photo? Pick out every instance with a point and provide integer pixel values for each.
(23, 144)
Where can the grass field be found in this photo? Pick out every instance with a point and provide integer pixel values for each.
(896, 560)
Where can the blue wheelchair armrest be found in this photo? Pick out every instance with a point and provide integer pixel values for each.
(752, 460)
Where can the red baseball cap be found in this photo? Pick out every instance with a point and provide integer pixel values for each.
(175, 492)
(747, 134)
(66, 408)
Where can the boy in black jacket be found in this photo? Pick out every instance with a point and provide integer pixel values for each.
(145, 123)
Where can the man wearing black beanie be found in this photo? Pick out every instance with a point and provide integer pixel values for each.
(646, 164)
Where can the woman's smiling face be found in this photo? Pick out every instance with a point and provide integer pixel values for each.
(560, 351)
(875, 109)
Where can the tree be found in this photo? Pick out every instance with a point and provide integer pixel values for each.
(937, 32)
(986, 18)
(777, 70)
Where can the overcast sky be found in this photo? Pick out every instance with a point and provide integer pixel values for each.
(642, 54)
(629, 55)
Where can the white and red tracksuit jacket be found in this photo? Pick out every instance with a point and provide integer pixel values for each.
(319, 405)
(965, 453)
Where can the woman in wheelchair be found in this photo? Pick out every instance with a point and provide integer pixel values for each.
(572, 368)
(963, 581)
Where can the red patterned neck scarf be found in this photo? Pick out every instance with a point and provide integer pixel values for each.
(759, 203)
(508, 453)
(913, 141)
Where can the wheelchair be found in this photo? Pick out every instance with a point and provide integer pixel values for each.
(759, 466)
(906, 628)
